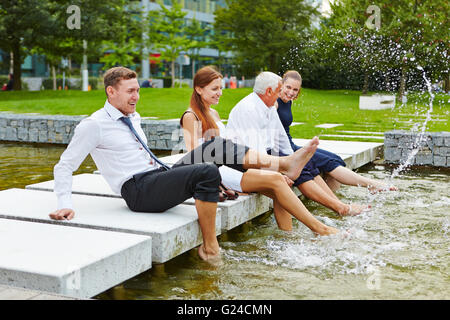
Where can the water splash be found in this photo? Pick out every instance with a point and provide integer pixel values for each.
(421, 137)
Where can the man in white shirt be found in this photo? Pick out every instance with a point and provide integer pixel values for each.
(117, 144)
(129, 169)
(254, 121)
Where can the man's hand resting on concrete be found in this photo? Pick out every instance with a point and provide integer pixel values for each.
(62, 214)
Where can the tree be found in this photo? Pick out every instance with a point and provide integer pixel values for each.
(40, 25)
(167, 33)
(22, 25)
(412, 33)
(262, 31)
(195, 34)
(127, 45)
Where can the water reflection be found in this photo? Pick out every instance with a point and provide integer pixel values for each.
(24, 164)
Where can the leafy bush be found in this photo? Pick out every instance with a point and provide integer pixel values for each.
(167, 81)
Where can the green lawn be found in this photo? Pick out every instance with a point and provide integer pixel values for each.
(312, 108)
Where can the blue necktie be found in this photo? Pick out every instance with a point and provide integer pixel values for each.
(127, 121)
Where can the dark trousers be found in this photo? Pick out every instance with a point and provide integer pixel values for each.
(160, 190)
(323, 160)
(218, 151)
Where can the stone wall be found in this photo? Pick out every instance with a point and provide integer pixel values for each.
(161, 134)
(434, 150)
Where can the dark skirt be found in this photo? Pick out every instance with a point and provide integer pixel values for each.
(325, 161)
(309, 172)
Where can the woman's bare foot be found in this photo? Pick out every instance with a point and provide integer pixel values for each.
(328, 231)
(381, 187)
(353, 209)
(297, 160)
(211, 257)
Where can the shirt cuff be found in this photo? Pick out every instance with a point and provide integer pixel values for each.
(65, 202)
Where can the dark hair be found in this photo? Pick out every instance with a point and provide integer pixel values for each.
(114, 75)
(202, 78)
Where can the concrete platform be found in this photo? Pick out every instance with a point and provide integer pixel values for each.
(70, 261)
(241, 210)
(85, 184)
(233, 214)
(361, 153)
(173, 232)
(14, 293)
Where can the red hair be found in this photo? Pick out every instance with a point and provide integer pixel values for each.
(202, 78)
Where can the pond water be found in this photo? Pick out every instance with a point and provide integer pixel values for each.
(399, 249)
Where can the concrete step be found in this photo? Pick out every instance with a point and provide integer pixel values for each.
(73, 262)
(234, 213)
(14, 293)
(173, 232)
(351, 136)
(355, 154)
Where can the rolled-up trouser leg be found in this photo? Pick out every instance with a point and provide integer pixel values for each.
(218, 151)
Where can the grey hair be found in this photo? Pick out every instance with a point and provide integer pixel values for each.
(265, 80)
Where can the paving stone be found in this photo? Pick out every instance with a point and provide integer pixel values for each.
(352, 136)
(233, 212)
(75, 262)
(14, 293)
(173, 232)
(329, 125)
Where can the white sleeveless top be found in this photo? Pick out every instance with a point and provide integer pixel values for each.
(231, 178)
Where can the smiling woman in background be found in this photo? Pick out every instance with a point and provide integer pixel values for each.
(328, 163)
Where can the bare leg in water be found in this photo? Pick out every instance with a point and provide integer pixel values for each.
(318, 191)
(342, 175)
(209, 250)
(273, 185)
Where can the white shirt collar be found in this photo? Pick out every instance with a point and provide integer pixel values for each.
(114, 113)
(260, 104)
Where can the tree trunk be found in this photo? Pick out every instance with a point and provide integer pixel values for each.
(17, 67)
(366, 83)
(54, 77)
(193, 69)
(11, 63)
(387, 82)
(447, 83)
(173, 73)
(401, 89)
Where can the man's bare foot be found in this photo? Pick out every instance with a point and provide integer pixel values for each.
(297, 161)
(211, 257)
(353, 209)
(381, 187)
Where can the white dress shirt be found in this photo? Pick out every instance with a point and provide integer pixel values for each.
(257, 126)
(113, 147)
